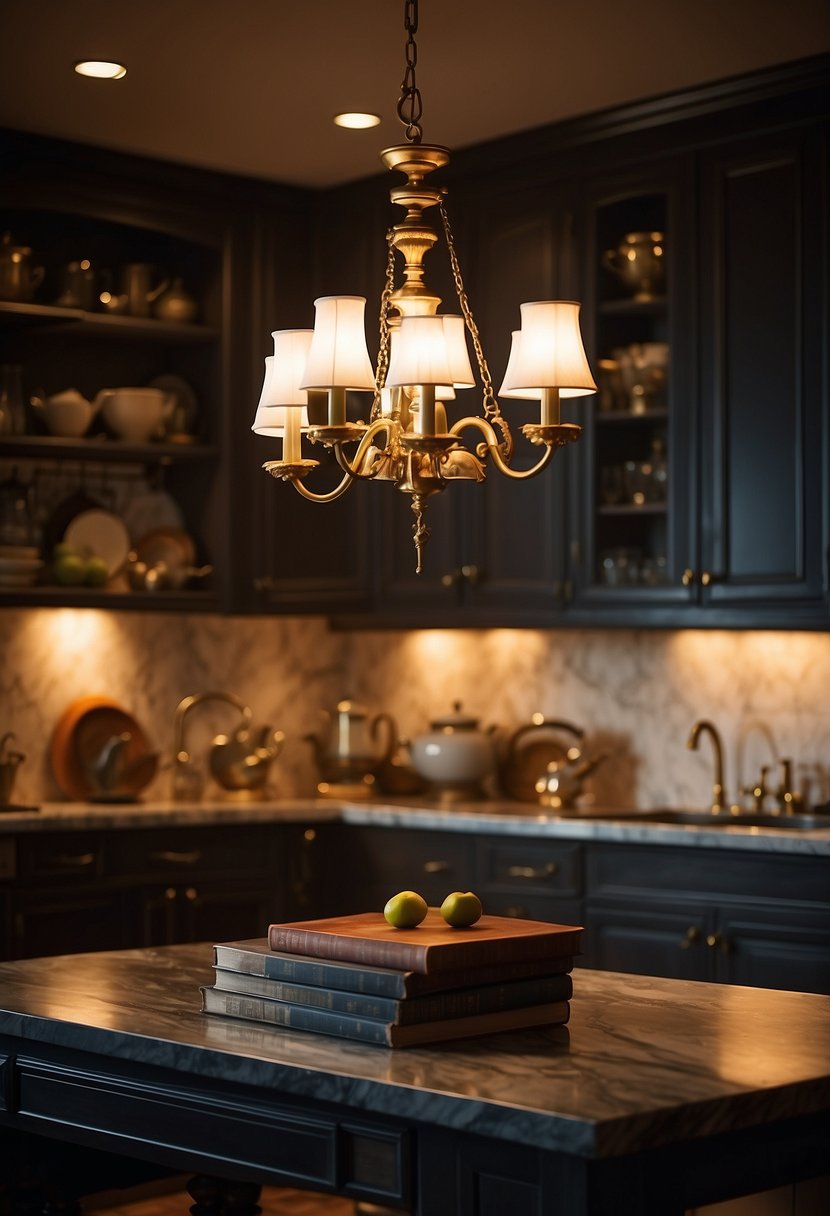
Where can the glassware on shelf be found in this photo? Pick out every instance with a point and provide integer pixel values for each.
(12, 402)
(642, 373)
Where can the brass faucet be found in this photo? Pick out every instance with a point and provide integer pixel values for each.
(703, 726)
(187, 780)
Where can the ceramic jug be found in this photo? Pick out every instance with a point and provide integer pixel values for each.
(19, 279)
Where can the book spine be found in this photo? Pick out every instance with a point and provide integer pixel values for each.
(408, 956)
(293, 969)
(297, 1017)
(403, 956)
(358, 1004)
(433, 1008)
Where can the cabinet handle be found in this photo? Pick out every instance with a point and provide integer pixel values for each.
(436, 867)
(170, 894)
(177, 859)
(689, 938)
(191, 895)
(546, 871)
(716, 941)
(687, 578)
(471, 574)
(73, 861)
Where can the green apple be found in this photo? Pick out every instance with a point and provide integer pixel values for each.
(63, 549)
(461, 909)
(405, 910)
(69, 569)
(97, 571)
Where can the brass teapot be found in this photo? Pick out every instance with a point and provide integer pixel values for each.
(240, 762)
(351, 748)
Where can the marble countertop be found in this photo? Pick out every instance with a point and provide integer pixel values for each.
(479, 818)
(643, 1062)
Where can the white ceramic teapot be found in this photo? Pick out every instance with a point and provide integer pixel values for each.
(455, 756)
(67, 414)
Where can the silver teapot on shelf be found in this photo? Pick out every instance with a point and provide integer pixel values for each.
(350, 749)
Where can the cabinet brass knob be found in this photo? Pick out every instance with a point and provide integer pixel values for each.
(687, 577)
(191, 895)
(171, 857)
(71, 861)
(436, 867)
(546, 871)
(706, 578)
(470, 574)
(170, 894)
(452, 579)
(716, 941)
(689, 938)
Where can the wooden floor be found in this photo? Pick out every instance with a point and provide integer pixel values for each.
(173, 1200)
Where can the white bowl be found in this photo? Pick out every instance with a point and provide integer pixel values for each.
(135, 414)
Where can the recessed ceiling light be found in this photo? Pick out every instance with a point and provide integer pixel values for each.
(357, 122)
(101, 69)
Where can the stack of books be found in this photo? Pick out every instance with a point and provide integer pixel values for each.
(355, 977)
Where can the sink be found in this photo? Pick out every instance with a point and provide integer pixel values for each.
(747, 819)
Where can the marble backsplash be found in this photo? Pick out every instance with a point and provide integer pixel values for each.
(635, 693)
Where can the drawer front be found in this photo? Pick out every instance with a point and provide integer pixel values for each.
(391, 859)
(68, 856)
(630, 872)
(527, 868)
(179, 852)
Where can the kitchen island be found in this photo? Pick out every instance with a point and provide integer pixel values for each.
(658, 1096)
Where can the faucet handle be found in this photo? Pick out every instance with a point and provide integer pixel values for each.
(788, 800)
(759, 791)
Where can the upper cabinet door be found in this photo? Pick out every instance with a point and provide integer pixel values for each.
(763, 390)
(634, 501)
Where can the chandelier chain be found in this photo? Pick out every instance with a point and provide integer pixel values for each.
(383, 325)
(489, 401)
(410, 106)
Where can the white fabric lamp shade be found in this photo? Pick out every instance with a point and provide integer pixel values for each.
(514, 361)
(280, 387)
(338, 357)
(549, 353)
(425, 351)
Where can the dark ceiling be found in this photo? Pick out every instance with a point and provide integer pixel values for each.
(251, 86)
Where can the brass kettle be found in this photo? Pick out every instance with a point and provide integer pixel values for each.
(351, 747)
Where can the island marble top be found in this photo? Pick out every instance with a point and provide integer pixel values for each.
(495, 818)
(643, 1062)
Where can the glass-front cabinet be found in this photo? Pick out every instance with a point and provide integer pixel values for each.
(633, 497)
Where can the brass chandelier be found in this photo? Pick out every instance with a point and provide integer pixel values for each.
(423, 359)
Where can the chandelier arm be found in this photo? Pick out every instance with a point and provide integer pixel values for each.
(494, 449)
(332, 495)
(351, 467)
